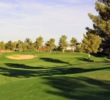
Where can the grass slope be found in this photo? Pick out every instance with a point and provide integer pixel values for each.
(54, 76)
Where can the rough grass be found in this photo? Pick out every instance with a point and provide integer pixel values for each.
(54, 76)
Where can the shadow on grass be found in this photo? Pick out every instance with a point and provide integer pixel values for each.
(21, 70)
(53, 60)
(100, 54)
(22, 66)
(85, 59)
(64, 70)
(81, 88)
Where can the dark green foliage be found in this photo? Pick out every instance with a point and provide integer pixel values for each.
(101, 23)
(28, 45)
(9, 45)
(19, 46)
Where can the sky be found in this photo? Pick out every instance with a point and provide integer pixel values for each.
(21, 19)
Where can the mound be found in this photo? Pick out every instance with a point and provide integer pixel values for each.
(20, 57)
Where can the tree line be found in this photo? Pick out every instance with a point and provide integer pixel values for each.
(38, 44)
(95, 40)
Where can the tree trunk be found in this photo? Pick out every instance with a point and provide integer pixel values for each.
(109, 55)
(89, 55)
(50, 50)
(63, 50)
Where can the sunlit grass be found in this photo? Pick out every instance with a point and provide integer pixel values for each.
(54, 76)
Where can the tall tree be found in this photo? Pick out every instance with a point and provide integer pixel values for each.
(28, 44)
(9, 45)
(63, 43)
(91, 43)
(14, 45)
(101, 23)
(50, 44)
(20, 45)
(73, 41)
(38, 43)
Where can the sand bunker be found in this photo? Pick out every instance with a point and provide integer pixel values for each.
(3, 51)
(21, 57)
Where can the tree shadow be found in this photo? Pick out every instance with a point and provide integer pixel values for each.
(64, 70)
(85, 59)
(21, 70)
(22, 66)
(100, 54)
(81, 88)
(53, 60)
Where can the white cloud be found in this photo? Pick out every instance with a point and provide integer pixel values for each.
(26, 19)
(7, 6)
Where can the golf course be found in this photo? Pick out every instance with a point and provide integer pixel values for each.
(54, 76)
(54, 49)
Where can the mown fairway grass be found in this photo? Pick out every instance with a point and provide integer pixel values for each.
(54, 76)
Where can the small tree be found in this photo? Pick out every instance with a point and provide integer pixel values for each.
(91, 43)
(63, 43)
(50, 44)
(28, 44)
(73, 41)
(38, 43)
(19, 45)
(9, 45)
(14, 45)
(2, 45)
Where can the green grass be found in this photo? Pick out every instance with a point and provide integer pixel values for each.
(54, 76)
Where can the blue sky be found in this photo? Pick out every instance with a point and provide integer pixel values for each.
(20, 19)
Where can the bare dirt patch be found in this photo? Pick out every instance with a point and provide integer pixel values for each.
(21, 57)
(2, 51)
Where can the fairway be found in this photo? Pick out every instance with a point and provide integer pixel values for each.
(55, 50)
(54, 76)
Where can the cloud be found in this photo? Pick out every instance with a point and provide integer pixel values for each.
(6, 6)
(23, 19)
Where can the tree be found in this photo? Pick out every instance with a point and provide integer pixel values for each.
(14, 45)
(38, 43)
(78, 47)
(19, 46)
(9, 45)
(28, 44)
(63, 43)
(73, 43)
(2, 45)
(50, 44)
(101, 23)
(91, 43)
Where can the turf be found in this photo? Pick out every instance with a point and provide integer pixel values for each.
(54, 76)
